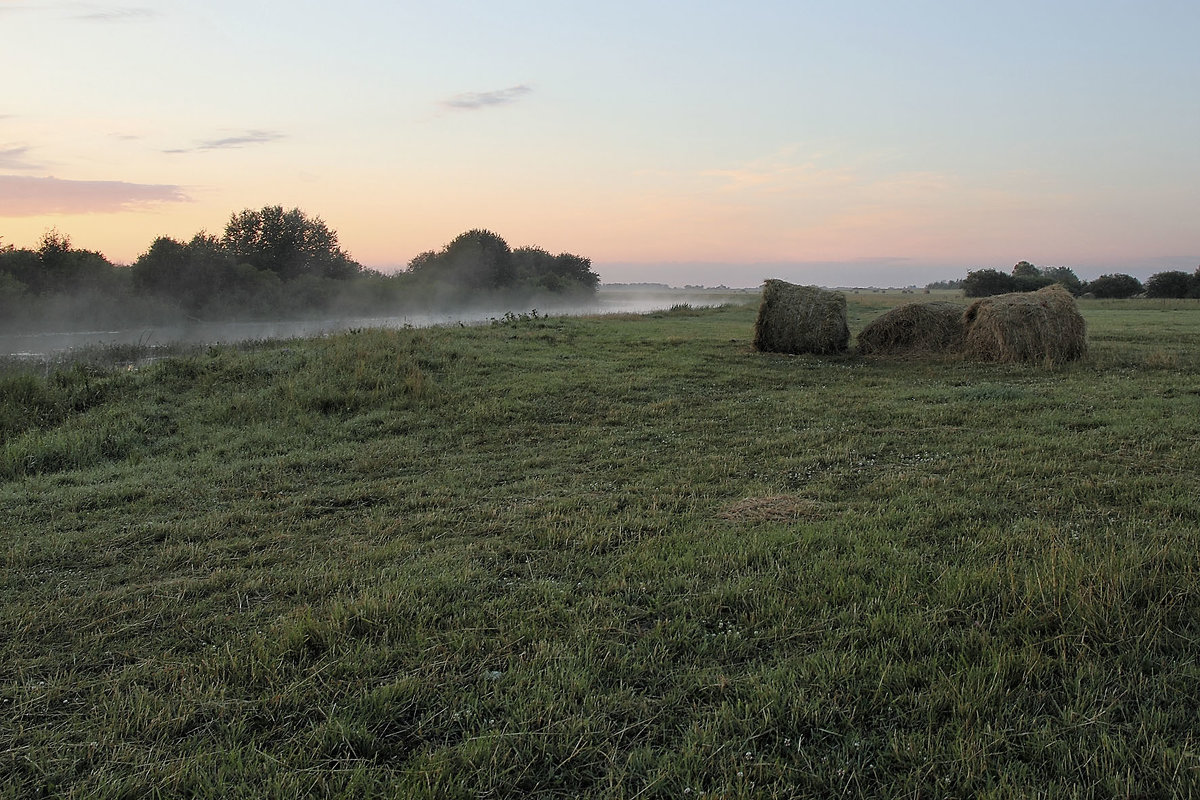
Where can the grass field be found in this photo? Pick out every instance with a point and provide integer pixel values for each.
(614, 557)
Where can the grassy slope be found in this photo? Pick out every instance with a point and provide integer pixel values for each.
(620, 557)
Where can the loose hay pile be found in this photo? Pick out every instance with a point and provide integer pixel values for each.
(1043, 326)
(914, 329)
(801, 319)
(773, 508)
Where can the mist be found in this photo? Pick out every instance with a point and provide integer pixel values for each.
(58, 330)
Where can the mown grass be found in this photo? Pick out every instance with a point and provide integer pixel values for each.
(614, 557)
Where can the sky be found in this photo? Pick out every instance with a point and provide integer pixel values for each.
(842, 143)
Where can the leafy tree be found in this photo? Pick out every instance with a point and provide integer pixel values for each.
(987, 282)
(1066, 276)
(1174, 283)
(948, 284)
(477, 260)
(22, 266)
(536, 268)
(1119, 285)
(12, 291)
(288, 243)
(1028, 278)
(1194, 287)
(55, 267)
(194, 274)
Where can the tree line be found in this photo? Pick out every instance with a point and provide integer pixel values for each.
(1025, 277)
(270, 263)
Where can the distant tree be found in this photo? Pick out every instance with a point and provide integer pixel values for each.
(1194, 286)
(950, 284)
(288, 243)
(1174, 283)
(987, 282)
(477, 260)
(12, 291)
(1028, 278)
(1119, 285)
(194, 274)
(22, 266)
(536, 268)
(1066, 276)
(56, 267)
(59, 265)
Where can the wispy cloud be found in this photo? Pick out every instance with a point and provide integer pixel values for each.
(17, 158)
(24, 196)
(470, 101)
(113, 14)
(228, 142)
(88, 12)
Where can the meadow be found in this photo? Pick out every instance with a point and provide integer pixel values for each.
(622, 556)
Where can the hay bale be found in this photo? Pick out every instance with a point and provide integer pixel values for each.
(1043, 326)
(914, 329)
(801, 319)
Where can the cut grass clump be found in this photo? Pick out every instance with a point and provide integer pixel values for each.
(774, 508)
(914, 329)
(1042, 327)
(801, 319)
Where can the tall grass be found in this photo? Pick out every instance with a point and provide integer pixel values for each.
(613, 557)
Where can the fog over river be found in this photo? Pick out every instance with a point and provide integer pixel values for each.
(45, 344)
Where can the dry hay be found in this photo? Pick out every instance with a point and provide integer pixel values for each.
(1041, 326)
(914, 329)
(776, 508)
(801, 319)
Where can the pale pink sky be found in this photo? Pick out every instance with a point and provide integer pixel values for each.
(854, 143)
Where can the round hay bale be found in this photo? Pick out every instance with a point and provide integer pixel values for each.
(914, 329)
(801, 319)
(1043, 326)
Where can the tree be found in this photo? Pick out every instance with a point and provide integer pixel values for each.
(1023, 269)
(477, 260)
(288, 243)
(1119, 285)
(23, 266)
(987, 282)
(536, 268)
(56, 267)
(1174, 283)
(1066, 276)
(194, 274)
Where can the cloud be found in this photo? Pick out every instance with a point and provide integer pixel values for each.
(15, 158)
(229, 142)
(25, 196)
(471, 101)
(87, 12)
(108, 14)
